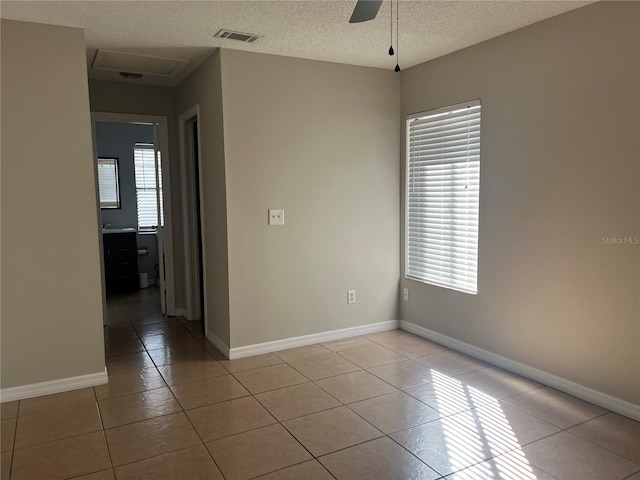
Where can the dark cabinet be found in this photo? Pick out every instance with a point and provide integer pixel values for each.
(120, 262)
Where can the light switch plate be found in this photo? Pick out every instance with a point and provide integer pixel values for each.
(351, 296)
(276, 216)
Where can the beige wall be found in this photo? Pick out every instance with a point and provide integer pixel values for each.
(119, 97)
(203, 87)
(51, 296)
(560, 170)
(320, 140)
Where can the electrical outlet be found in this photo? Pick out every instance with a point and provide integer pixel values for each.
(276, 216)
(405, 294)
(351, 296)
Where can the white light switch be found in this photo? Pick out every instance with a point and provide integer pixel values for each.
(276, 216)
(351, 296)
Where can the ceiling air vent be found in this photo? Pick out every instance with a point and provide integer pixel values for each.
(243, 37)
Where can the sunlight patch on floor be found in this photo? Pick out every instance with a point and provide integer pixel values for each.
(493, 435)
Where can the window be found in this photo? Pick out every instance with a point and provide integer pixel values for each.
(147, 187)
(108, 182)
(443, 184)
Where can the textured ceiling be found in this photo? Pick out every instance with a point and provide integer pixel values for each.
(310, 29)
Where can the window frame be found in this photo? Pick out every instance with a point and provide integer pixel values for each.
(409, 118)
(142, 229)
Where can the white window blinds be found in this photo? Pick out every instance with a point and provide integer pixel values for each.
(108, 182)
(443, 184)
(147, 190)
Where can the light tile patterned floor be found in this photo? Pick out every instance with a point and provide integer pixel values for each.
(384, 406)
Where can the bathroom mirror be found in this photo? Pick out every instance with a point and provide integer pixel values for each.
(109, 182)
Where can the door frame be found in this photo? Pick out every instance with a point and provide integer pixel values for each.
(162, 123)
(189, 228)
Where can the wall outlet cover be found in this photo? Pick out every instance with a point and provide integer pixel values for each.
(405, 294)
(276, 216)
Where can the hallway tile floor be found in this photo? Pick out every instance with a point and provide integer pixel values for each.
(384, 406)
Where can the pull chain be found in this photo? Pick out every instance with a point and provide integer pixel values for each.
(397, 69)
(391, 22)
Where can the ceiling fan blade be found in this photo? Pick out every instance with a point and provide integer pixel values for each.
(365, 10)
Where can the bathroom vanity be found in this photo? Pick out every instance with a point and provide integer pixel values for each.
(120, 259)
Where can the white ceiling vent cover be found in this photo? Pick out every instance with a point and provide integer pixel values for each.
(136, 63)
(243, 37)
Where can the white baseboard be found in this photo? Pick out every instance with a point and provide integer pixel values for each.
(277, 345)
(609, 402)
(53, 386)
(219, 344)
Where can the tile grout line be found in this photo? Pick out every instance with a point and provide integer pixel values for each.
(388, 435)
(346, 405)
(291, 466)
(104, 433)
(183, 411)
(277, 422)
(281, 423)
(15, 436)
(156, 456)
(561, 428)
(566, 430)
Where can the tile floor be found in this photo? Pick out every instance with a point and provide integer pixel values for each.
(383, 406)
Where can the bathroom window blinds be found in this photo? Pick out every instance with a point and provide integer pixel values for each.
(443, 184)
(147, 186)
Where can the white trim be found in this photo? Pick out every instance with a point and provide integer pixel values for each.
(189, 229)
(277, 345)
(53, 386)
(186, 231)
(103, 287)
(219, 344)
(162, 122)
(596, 397)
(446, 109)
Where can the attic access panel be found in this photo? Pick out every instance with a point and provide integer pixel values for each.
(136, 63)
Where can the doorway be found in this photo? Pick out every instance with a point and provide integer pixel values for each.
(195, 299)
(134, 202)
